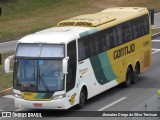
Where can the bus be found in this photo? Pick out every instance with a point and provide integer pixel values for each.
(81, 57)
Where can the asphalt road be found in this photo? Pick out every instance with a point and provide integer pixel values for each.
(157, 19)
(116, 99)
(8, 46)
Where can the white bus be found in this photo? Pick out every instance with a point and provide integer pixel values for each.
(63, 66)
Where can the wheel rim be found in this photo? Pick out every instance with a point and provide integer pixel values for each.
(82, 99)
(129, 79)
(136, 73)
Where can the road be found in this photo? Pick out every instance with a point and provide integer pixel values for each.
(157, 19)
(116, 99)
(8, 46)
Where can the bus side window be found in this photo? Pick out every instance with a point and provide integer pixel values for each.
(127, 32)
(145, 22)
(135, 29)
(71, 76)
(104, 41)
(119, 30)
(110, 37)
(116, 37)
(138, 24)
(87, 47)
(81, 50)
(99, 42)
(93, 45)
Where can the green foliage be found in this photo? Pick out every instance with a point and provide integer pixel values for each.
(6, 80)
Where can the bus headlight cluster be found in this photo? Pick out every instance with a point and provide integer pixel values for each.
(58, 96)
(18, 95)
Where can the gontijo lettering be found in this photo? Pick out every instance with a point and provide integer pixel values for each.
(124, 51)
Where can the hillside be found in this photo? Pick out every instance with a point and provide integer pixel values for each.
(21, 17)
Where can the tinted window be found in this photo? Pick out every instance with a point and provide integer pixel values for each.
(138, 27)
(110, 37)
(71, 76)
(87, 47)
(84, 48)
(81, 50)
(119, 31)
(105, 43)
(145, 22)
(126, 32)
(94, 45)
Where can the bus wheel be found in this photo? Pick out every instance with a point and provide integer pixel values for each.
(82, 98)
(129, 75)
(135, 76)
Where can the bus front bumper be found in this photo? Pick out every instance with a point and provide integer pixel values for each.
(52, 104)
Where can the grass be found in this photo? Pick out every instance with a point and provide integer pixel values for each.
(5, 79)
(22, 17)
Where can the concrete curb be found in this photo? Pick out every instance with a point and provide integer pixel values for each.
(7, 91)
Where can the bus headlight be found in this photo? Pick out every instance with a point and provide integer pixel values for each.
(18, 95)
(58, 96)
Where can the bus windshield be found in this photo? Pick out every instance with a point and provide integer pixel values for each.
(39, 75)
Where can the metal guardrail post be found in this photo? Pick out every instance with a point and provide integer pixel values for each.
(0, 11)
(158, 99)
(0, 54)
(0, 59)
(151, 12)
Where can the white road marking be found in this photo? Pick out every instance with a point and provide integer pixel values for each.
(20, 109)
(155, 50)
(155, 40)
(113, 103)
(9, 96)
(157, 13)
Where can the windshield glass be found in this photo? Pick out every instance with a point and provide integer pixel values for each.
(38, 75)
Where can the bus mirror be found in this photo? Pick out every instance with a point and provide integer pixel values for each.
(7, 64)
(65, 65)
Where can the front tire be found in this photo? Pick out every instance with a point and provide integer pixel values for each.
(82, 98)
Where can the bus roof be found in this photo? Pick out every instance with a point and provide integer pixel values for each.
(83, 25)
(105, 17)
(55, 35)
